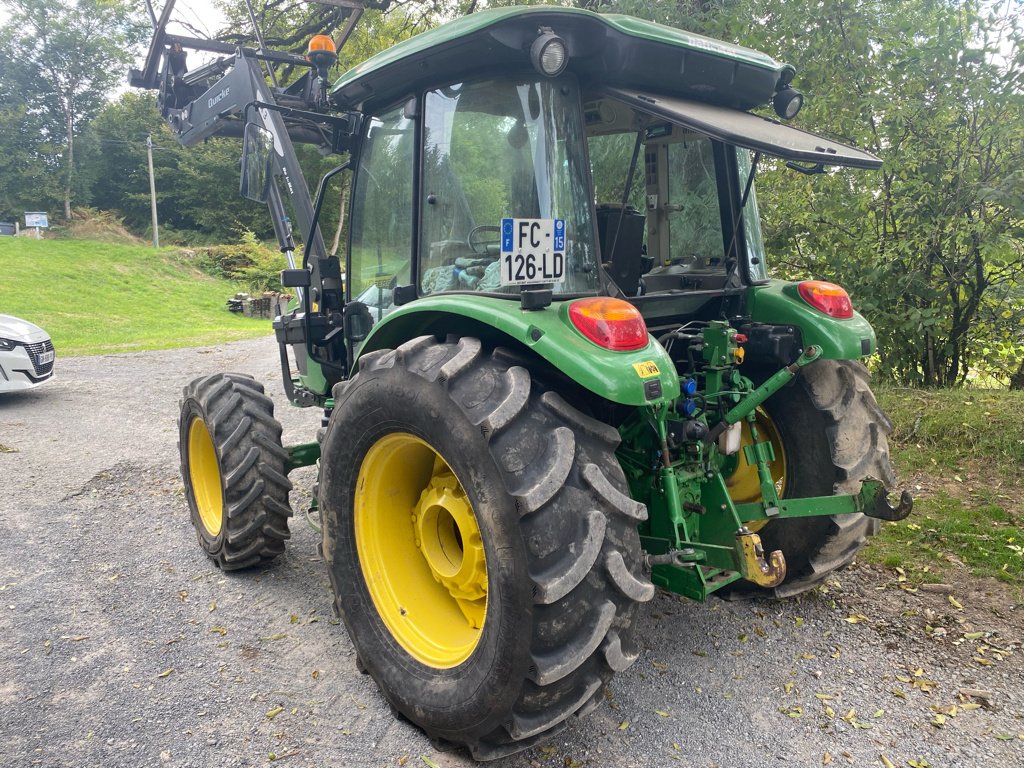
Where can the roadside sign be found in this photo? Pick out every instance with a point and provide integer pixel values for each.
(36, 219)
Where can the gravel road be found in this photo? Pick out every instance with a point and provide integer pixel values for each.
(122, 645)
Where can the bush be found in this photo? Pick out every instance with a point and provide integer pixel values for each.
(249, 262)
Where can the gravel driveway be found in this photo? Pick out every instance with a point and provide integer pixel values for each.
(122, 645)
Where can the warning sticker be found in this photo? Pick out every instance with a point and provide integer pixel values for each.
(646, 369)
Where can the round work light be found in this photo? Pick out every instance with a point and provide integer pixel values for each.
(548, 54)
(787, 103)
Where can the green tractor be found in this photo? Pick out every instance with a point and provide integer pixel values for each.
(554, 372)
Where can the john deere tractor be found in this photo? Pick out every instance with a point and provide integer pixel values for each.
(554, 372)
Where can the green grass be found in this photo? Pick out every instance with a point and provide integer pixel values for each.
(965, 449)
(95, 298)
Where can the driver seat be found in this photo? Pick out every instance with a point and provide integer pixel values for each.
(625, 263)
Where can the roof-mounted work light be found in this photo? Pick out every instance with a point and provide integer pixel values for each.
(787, 102)
(548, 53)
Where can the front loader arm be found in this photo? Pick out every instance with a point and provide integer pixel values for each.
(221, 98)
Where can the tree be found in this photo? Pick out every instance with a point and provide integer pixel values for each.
(27, 159)
(932, 246)
(72, 53)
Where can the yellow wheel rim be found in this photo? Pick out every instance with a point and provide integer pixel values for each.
(420, 550)
(744, 485)
(204, 477)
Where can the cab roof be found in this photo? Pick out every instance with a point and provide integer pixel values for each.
(609, 49)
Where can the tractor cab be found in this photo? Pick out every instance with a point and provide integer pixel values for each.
(561, 169)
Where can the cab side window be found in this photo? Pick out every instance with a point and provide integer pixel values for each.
(382, 215)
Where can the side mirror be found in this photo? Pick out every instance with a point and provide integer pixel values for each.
(257, 155)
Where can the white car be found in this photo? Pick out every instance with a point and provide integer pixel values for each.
(26, 354)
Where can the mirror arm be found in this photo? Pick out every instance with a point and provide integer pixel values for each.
(320, 194)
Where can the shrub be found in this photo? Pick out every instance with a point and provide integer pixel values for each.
(249, 261)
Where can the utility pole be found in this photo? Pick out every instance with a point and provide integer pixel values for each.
(152, 190)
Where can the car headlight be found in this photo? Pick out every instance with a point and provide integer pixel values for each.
(6, 344)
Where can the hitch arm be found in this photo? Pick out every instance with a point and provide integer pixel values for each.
(764, 571)
(747, 405)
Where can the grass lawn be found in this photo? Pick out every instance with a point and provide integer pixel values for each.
(94, 298)
(961, 453)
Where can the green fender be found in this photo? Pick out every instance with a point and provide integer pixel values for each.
(779, 303)
(616, 376)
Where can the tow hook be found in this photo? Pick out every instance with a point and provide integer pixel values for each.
(764, 572)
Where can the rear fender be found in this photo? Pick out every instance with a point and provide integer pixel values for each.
(778, 303)
(642, 377)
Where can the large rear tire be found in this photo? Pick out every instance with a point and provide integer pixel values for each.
(233, 467)
(829, 434)
(483, 551)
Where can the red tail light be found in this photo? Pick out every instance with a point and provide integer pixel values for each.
(827, 297)
(610, 323)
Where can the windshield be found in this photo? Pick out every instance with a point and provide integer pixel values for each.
(505, 152)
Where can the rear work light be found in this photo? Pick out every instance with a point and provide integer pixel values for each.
(610, 323)
(827, 297)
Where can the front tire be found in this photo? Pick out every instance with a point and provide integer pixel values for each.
(233, 467)
(453, 485)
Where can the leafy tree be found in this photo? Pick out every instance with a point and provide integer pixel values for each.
(72, 54)
(28, 161)
(932, 246)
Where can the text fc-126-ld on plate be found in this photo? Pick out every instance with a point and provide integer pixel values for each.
(532, 251)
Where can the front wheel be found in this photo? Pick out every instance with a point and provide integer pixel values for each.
(482, 548)
(233, 467)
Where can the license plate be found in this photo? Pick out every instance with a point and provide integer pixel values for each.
(532, 251)
(45, 358)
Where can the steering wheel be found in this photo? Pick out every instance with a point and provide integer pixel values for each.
(479, 245)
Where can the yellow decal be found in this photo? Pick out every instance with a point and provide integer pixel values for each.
(381, 281)
(646, 369)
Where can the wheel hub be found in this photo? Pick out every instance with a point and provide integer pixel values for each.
(447, 535)
(204, 476)
(420, 550)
